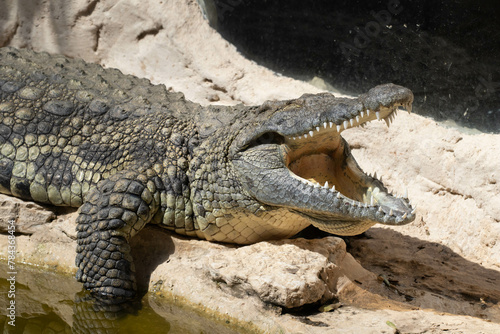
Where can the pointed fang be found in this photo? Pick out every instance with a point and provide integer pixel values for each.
(408, 108)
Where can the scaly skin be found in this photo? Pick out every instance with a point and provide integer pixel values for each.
(128, 153)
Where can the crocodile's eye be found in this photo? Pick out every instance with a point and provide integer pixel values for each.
(268, 138)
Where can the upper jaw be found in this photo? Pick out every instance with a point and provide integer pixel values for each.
(381, 102)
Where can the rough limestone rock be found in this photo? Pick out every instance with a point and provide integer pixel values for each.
(443, 270)
(289, 273)
(30, 217)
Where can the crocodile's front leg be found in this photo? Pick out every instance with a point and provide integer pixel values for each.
(113, 212)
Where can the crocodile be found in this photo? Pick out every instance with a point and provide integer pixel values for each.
(129, 153)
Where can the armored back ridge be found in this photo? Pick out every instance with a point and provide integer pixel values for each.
(128, 153)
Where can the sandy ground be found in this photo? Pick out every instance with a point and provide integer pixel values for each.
(442, 271)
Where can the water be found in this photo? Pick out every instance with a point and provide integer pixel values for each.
(49, 303)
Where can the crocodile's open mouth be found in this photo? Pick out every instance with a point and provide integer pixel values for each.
(321, 158)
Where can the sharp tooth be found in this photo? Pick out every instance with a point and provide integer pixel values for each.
(352, 122)
(331, 124)
(372, 201)
(333, 188)
(362, 114)
(317, 128)
(387, 122)
(391, 213)
(380, 179)
(324, 125)
(404, 216)
(413, 211)
(326, 184)
(367, 112)
(380, 209)
(408, 108)
(338, 195)
(375, 175)
(357, 118)
(406, 193)
(377, 114)
(316, 185)
(338, 128)
(311, 133)
(346, 124)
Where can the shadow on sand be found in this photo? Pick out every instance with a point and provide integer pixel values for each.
(428, 275)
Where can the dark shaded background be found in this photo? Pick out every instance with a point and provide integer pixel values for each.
(446, 51)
